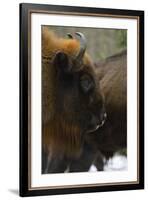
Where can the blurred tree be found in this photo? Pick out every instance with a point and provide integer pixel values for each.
(122, 38)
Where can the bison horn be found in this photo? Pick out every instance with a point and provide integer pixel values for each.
(82, 40)
(69, 35)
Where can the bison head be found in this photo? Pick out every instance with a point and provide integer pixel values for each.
(79, 101)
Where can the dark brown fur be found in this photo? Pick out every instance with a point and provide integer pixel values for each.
(65, 109)
(113, 135)
(66, 142)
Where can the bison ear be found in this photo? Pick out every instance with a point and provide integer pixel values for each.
(62, 62)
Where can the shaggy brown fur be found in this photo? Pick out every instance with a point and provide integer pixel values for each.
(59, 135)
(68, 112)
(113, 135)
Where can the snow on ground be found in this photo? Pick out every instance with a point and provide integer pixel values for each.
(117, 163)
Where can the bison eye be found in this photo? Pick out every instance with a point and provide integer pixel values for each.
(86, 83)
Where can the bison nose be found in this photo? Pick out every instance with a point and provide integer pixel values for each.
(103, 117)
(96, 122)
(93, 120)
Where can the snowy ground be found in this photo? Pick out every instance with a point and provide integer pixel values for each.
(117, 163)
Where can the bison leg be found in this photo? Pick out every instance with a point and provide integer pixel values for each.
(88, 157)
(54, 164)
(99, 161)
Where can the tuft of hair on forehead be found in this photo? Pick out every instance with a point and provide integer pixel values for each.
(51, 43)
(58, 134)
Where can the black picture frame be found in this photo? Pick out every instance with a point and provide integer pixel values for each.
(25, 13)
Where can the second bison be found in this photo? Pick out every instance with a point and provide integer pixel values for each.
(112, 136)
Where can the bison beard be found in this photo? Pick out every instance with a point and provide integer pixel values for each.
(66, 143)
(64, 137)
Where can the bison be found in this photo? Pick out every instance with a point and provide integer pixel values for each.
(112, 136)
(72, 103)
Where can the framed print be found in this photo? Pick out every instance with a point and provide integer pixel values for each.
(81, 99)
